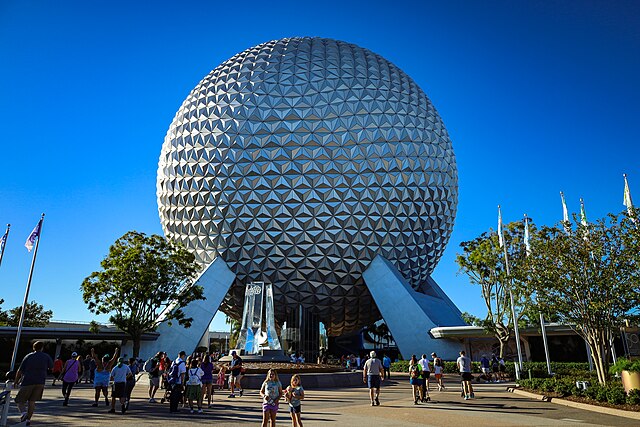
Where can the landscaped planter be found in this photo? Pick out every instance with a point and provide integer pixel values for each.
(630, 380)
(629, 370)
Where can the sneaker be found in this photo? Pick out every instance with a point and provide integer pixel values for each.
(112, 411)
(241, 392)
(200, 411)
(191, 411)
(210, 406)
(65, 403)
(428, 399)
(231, 396)
(377, 402)
(473, 396)
(373, 403)
(94, 404)
(23, 417)
(415, 402)
(123, 410)
(466, 398)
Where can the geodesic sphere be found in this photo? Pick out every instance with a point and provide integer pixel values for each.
(298, 161)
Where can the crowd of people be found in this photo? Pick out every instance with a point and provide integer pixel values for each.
(191, 381)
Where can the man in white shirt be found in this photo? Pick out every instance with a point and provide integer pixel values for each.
(426, 373)
(119, 375)
(177, 373)
(464, 366)
(372, 374)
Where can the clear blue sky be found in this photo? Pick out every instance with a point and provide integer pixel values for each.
(538, 97)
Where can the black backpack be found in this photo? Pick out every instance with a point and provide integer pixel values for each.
(174, 372)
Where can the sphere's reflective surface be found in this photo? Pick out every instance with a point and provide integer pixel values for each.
(298, 161)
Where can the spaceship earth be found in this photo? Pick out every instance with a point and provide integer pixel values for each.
(298, 161)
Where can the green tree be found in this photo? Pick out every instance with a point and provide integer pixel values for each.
(143, 277)
(234, 331)
(589, 278)
(471, 319)
(482, 259)
(35, 315)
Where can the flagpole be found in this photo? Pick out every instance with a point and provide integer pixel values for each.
(4, 243)
(26, 298)
(513, 310)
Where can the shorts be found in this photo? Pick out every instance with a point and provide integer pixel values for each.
(119, 390)
(426, 375)
(207, 381)
(154, 381)
(295, 409)
(438, 376)
(269, 407)
(194, 392)
(466, 376)
(31, 393)
(415, 381)
(101, 379)
(373, 381)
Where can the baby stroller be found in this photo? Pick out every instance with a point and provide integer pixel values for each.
(167, 390)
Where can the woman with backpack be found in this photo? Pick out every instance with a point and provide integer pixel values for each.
(415, 379)
(194, 385)
(438, 370)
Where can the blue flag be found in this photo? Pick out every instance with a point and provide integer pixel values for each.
(33, 236)
(3, 240)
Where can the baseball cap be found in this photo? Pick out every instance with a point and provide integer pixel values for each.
(74, 354)
(372, 354)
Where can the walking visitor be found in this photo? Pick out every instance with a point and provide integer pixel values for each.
(119, 375)
(236, 372)
(372, 374)
(270, 392)
(426, 373)
(31, 376)
(102, 375)
(464, 366)
(152, 367)
(175, 380)
(415, 379)
(207, 379)
(194, 385)
(438, 370)
(70, 374)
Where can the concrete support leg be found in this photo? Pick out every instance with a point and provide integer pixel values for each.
(216, 280)
(410, 315)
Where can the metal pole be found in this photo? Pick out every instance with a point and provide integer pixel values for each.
(513, 313)
(6, 237)
(26, 298)
(546, 345)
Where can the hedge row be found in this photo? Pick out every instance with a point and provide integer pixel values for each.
(612, 393)
(538, 369)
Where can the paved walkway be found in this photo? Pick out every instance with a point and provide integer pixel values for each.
(493, 406)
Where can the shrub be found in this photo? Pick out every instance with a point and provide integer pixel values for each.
(601, 394)
(565, 387)
(633, 398)
(623, 364)
(592, 392)
(615, 394)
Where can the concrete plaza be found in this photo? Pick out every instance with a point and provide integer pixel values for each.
(493, 406)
